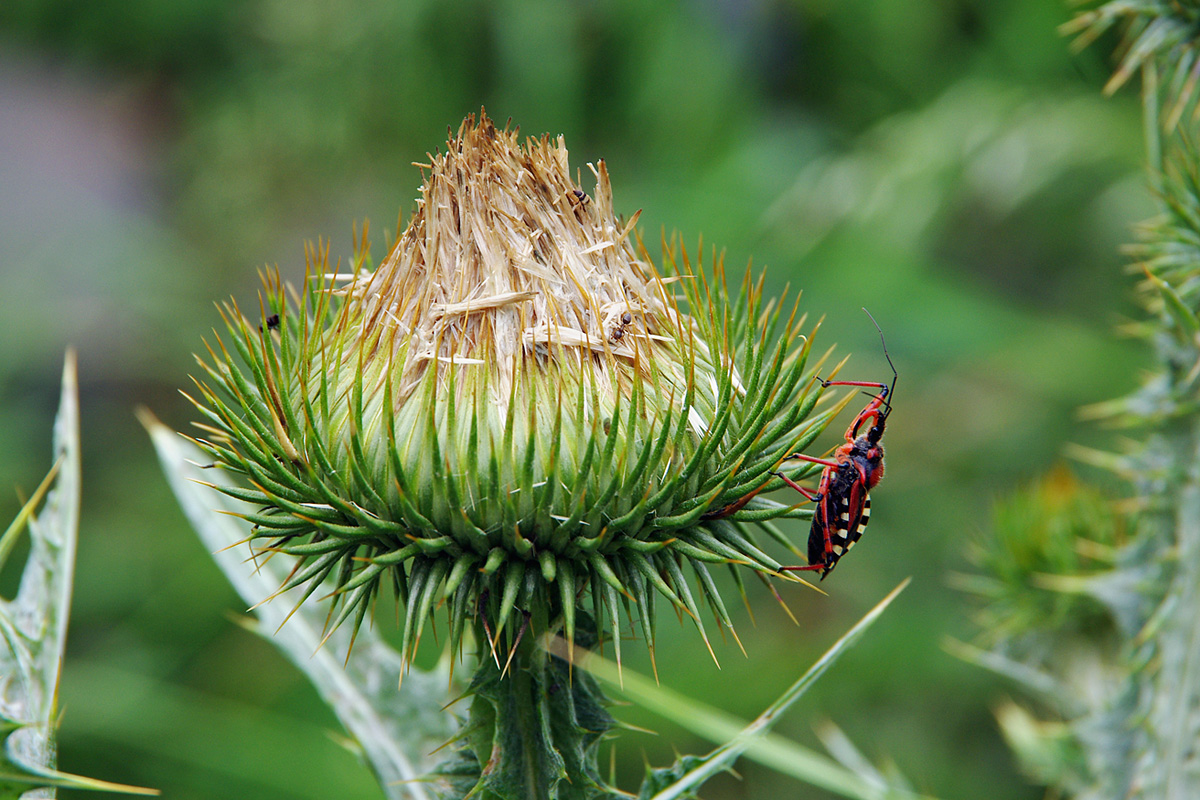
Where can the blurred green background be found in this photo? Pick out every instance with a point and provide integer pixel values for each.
(946, 163)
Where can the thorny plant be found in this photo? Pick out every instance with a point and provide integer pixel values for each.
(518, 418)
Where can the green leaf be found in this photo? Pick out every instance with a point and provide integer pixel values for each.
(397, 730)
(752, 739)
(34, 623)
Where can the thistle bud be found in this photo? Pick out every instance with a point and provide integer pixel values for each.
(515, 413)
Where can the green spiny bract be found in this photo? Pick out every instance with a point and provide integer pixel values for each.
(514, 411)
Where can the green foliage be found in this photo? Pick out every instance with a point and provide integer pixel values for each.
(1050, 617)
(537, 725)
(1044, 544)
(952, 171)
(21, 777)
(1161, 34)
(363, 422)
(1100, 622)
(854, 777)
(33, 625)
(663, 779)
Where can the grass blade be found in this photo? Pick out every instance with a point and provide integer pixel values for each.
(751, 739)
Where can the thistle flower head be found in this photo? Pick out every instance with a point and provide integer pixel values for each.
(515, 411)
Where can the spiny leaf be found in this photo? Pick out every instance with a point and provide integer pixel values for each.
(396, 730)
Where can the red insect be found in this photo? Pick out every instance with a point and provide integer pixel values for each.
(843, 499)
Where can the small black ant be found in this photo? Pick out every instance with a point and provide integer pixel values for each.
(618, 331)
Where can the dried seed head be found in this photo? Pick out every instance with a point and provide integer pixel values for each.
(514, 409)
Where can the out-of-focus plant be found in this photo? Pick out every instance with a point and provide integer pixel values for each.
(1058, 527)
(33, 625)
(518, 419)
(1096, 606)
(1046, 616)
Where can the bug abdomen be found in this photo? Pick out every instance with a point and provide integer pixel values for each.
(834, 532)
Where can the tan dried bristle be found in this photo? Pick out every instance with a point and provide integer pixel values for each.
(508, 265)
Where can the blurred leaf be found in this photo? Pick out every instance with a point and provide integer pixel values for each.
(34, 623)
(753, 739)
(1128, 677)
(1031, 678)
(901, 174)
(397, 729)
(1049, 752)
(1047, 547)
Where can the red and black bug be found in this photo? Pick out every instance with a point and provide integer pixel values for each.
(843, 495)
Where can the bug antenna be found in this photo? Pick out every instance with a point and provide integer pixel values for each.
(883, 341)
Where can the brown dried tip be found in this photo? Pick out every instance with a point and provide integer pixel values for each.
(508, 264)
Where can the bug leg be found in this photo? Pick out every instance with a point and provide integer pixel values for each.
(820, 529)
(824, 462)
(809, 493)
(873, 410)
(739, 504)
(825, 560)
(872, 384)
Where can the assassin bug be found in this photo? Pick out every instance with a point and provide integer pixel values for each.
(843, 499)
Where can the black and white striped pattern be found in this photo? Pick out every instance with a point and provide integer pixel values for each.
(841, 539)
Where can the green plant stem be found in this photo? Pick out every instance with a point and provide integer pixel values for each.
(534, 725)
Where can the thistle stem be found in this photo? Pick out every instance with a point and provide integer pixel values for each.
(535, 726)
